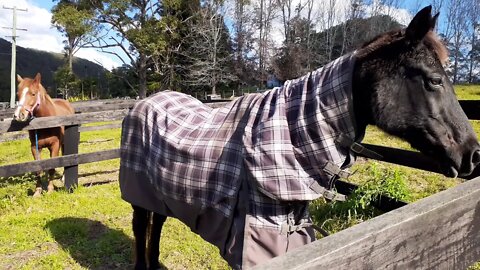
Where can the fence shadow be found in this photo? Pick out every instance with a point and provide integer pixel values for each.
(92, 244)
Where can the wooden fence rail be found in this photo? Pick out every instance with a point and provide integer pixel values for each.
(439, 232)
(86, 112)
(396, 156)
(13, 136)
(87, 106)
(68, 120)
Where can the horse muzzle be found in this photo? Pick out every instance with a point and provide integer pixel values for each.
(465, 164)
(470, 161)
(22, 115)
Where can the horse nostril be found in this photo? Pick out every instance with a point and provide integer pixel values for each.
(476, 157)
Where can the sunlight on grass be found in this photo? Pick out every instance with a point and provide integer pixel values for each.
(468, 92)
(91, 227)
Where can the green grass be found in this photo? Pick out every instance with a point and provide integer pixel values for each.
(468, 92)
(88, 229)
(377, 178)
(91, 227)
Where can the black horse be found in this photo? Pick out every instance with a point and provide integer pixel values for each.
(399, 84)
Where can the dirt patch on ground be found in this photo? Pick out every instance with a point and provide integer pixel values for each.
(19, 259)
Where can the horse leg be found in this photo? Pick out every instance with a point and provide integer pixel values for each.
(36, 156)
(54, 150)
(154, 241)
(140, 226)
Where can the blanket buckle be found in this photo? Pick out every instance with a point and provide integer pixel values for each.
(356, 147)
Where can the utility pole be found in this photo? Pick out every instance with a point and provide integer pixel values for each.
(14, 51)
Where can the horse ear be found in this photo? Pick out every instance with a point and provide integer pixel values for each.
(433, 22)
(37, 78)
(19, 78)
(420, 24)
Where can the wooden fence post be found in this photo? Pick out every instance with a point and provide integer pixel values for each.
(71, 140)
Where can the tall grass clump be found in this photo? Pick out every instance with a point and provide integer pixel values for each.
(336, 216)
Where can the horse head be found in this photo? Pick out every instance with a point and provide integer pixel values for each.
(30, 95)
(401, 86)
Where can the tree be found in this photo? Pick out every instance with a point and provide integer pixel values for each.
(293, 59)
(74, 19)
(455, 36)
(473, 29)
(172, 61)
(265, 12)
(243, 43)
(211, 55)
(134, 23)
(66, 82)
(119, 82)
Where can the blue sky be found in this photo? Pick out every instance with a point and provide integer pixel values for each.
(47, 4)
(41, 35)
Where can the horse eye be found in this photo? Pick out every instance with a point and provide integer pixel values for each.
(437, 81)
(434, 82)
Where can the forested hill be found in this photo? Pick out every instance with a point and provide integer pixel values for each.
(31, 61)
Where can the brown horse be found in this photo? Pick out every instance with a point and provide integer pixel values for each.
(34, 101)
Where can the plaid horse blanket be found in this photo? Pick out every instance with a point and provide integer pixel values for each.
(241, 176)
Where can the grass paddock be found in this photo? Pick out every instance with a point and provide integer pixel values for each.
(90, 228)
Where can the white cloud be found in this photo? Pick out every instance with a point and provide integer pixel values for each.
(401, 15)
(98, 57)
(40, 34)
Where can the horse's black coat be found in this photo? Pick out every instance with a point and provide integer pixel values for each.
(399, 84)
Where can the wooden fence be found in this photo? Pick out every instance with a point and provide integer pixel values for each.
(441, 231)
(85, 112)
(115, 110)
(437, 232)
(95, 111)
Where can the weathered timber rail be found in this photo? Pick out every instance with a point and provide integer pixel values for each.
(86, 106)
(115, 110)
(439, 232)
(86, 112)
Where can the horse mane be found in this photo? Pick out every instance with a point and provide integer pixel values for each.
(431, 40)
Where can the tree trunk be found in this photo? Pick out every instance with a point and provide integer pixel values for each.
(142, 75)
(70, 54)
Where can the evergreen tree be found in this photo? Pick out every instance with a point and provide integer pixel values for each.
(75, 20)
(171, 62)
(136, 24)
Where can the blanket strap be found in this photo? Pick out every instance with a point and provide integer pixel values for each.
(330, 195)
(290, 226)
(333, 169)
(357, 148)
(287, 228)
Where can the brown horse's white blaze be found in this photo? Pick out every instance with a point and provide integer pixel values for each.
(34, 101)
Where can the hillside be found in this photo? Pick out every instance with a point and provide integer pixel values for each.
(356, 31)
(31, 61)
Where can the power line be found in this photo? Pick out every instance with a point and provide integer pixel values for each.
(14, 51)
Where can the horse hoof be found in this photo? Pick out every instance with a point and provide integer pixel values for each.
(38, 193)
